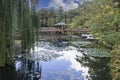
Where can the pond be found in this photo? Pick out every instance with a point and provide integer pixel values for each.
(50, 62)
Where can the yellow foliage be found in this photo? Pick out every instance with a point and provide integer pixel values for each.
(97, 34)
(111, 12)
(99, 16)
(102, 6)
(107, 6)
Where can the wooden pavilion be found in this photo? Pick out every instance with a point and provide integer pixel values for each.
(61, 25)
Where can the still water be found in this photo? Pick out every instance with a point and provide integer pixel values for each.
(50, 62)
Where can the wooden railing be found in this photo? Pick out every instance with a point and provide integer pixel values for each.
(52, 29)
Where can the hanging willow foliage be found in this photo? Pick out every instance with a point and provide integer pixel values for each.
(2, 34)
(28, 23)
(16, 16)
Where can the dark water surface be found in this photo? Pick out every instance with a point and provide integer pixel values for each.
(48, 62)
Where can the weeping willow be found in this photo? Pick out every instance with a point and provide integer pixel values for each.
(6, 38)
(2, 34)
(29, 23)
(16, 16)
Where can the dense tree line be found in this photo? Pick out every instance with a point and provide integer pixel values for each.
(49, 17)
(103, 18)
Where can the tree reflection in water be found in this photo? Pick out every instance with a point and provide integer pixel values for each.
(8, 73)
(25, 70)
(98, 67)
(28, 69)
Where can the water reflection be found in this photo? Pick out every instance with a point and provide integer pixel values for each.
(8, 73)
(28, 69)
(63, 67)
(98, 67)
(48, 62)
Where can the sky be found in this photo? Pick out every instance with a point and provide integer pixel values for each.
(55, 4)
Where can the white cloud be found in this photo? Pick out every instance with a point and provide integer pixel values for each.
(70, 56)
(67, 5)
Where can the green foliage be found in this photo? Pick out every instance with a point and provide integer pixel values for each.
(15, 17)
(49, 17)
(115, 68)
(103, 18)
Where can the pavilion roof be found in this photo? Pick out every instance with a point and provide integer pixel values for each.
(60, 24)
